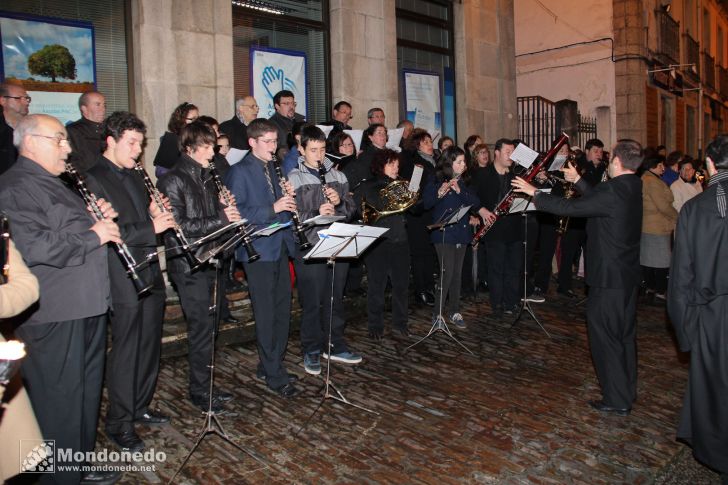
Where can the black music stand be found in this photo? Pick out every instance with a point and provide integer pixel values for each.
(524, 208)
(339, 241)
(212, 423)
(438, 323)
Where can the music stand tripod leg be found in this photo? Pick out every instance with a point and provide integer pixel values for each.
(210, 415)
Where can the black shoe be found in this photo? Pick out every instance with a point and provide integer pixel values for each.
(127, 440)
(287, 390)
(497, 312)
(605, 408)
(567, 293)
(403, 331)
(231, 319)
(376, 334)
(222, 396)
(152, 418)
(100, 477)
(202, 401)
(261, 375)
(426, 298)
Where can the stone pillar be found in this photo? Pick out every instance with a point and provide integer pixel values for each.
(485, 68)
(364, 57)
(630, 73)
(182, 51)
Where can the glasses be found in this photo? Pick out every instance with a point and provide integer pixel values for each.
(26, 97)
(59, 139)
(267, 141)
(288, 103)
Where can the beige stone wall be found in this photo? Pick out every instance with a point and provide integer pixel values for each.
(182, 51)
(485, 69)
(364, 57)
(630, 73)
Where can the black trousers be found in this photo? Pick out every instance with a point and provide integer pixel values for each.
(655, 278)
(451, 263)
(505, 260)
(195, 295)
(63, 373)
(611, 321)
(422, 253)
(313, 280)
(133, 362)
(387, 261)
(547, 239)
(269, 283)
(571, 243)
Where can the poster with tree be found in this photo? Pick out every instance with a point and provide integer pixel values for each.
(53, 59)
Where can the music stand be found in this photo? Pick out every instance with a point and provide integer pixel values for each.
(339, 241)
(212, 423)
(524, 208)
(439, 324)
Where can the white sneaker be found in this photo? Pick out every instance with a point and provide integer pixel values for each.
(457, 320)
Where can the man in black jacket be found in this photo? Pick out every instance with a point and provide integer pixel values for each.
(284, 102)
(198, 211)
(64, 247)
(14, 102)
(85, 134)
(136, 320)
(246, 110)
(697, 298)
(614, 223)
(340, 117)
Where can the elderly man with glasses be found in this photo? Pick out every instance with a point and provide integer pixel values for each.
(64, 247)
(14, 102)
(246, 110)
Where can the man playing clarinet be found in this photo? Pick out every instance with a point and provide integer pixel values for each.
(136, 320)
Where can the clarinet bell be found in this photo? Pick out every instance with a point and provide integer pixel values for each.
(140, 285)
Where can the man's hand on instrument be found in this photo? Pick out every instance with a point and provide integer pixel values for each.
(520, 185)
(333, 195)
(327, 209)
(474, 221)
(486, 215)
(162, 221)
(227, 195)
(106, 209)
(107, 231)
(288, 188)
(285, 203)
(232, 213)
(571, 174)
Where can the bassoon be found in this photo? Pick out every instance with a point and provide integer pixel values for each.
(506, 202)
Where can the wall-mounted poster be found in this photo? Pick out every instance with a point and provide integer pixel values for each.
(274, 70)
(52, 58)
(423, 100)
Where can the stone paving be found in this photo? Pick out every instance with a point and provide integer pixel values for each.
(514, 413)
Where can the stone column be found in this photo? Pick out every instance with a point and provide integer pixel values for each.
(485, 66)
(364, 57)
(630, 72)
(182, 51)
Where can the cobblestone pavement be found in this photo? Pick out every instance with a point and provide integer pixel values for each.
(513, 413)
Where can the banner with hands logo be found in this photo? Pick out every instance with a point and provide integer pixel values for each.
(273, 70)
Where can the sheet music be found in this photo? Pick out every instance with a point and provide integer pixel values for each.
(521, 204)
(523, 155)
(337, 240)
(326, 129)
(395, 136)
(321, 220)
(416, 179)
(235, 155)
(558, 163)
(435, 135)
(267, 231)
(356, 135)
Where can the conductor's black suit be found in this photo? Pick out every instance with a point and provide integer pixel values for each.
(614, 212)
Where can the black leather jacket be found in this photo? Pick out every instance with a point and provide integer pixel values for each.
(194, 199)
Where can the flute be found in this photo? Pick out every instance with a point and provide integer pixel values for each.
(297, 227)
(121, 249)
(223, 192)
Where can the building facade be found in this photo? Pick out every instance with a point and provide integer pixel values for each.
(155, 54)
(652, 70)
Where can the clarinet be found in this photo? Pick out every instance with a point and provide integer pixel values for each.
(297, 228)
(507, 201)
(222, 191)
(121, 249)
(157, 197)
(322, 178)
(4, 249)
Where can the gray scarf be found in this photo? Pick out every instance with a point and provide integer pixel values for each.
(719, 178)
(428, 158)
